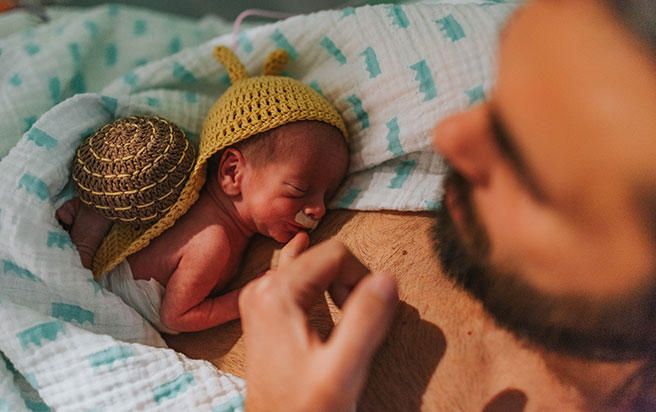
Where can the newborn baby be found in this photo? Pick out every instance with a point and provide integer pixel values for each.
(275, 182)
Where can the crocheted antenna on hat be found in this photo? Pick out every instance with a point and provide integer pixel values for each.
(251, 105)
(133, 169)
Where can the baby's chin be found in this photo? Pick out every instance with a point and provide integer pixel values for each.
(282, 236)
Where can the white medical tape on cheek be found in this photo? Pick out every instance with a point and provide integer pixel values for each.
(305, 220)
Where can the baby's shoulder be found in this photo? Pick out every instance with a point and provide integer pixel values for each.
(207, 239)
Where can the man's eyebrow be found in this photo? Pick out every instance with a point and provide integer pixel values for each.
(507, 145)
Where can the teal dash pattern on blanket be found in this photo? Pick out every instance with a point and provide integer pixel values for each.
(107, 357)
(360, 113)
(59, 240)
(475, 94)
(399, 18)
(172, 389)
(349, 198)
(191, 97)
(40, 334)
(34, 185)
(140, 27)
(78, 84)
(348, 11)
(315, 85)
(113, 10)
(131, 79)
(10, 267)
(403, 171)
(29, 121)
(425, 79)
(41, 138)
(74, 48)
(371, 61)
(54, 86)
(72, 313)
(92, 28)
(244, 42)
(181, 73)
(431, 204)
(393, 142)
(32, 48)
(281, 41)
(152, 101)
(332, 49)
(36, 405)
(16, 80)
(451, 28)
(175, 45)
(110, 104)
(234, 404)
(111, 55)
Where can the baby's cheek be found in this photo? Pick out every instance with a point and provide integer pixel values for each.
(288, 206)
(270, 211)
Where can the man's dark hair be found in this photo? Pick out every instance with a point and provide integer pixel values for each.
(639, 16)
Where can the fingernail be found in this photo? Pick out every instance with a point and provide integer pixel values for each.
(384, 287)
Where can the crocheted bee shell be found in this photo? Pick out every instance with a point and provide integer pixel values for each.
(133, 170)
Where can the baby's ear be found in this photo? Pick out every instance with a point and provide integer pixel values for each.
(230, 171)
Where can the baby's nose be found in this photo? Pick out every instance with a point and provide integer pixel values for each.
(315, 211)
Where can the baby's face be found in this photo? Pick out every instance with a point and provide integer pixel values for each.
(289, 194)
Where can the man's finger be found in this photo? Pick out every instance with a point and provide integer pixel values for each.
(269, 314)
(309, 275)
(367, 315)
(293, 248)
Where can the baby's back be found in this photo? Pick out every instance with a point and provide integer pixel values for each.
(200, 241)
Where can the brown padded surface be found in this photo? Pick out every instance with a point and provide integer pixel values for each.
(442, 353)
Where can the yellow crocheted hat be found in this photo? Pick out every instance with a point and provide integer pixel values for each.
(250, 106)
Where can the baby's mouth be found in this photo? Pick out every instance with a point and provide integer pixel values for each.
(305, 221)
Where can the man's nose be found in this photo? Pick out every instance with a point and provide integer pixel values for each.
(464, 140)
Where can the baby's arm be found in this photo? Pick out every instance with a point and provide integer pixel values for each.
(186, 306)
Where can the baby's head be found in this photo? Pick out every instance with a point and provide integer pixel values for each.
(278, 145)
(280, 180)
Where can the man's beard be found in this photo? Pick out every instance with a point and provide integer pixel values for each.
(620, 328)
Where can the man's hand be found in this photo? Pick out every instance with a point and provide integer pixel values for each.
(288, 367)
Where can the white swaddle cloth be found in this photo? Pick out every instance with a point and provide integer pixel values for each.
(144, 296)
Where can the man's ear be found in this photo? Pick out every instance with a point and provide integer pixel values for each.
(231, 171)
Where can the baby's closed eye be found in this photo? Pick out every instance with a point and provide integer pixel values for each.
(295, 190)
